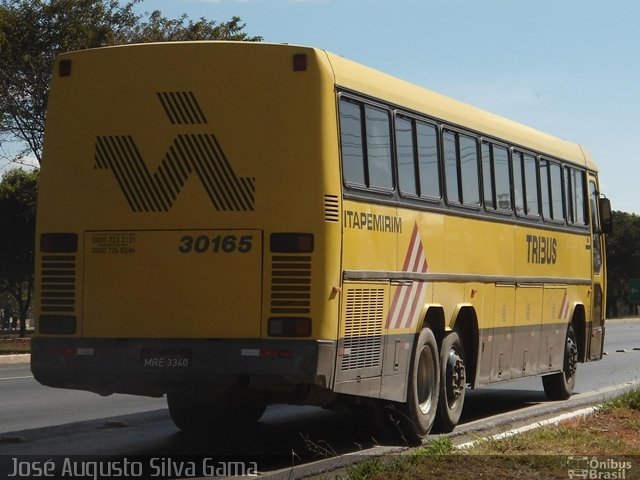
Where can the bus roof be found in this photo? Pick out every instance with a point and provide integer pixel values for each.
(359, 78)
(354, 76)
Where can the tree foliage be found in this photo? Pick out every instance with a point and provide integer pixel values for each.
(33, 32)
(623, 258)
(18, 193)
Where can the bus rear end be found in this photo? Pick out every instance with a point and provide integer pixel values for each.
(185, 236)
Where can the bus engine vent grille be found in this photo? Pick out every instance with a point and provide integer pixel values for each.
(58, 284)
(291, 284)
(363, 329)
(331, 208)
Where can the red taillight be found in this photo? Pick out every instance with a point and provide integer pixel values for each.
(59, 243)
(72, 351)
(52, 324)
(291, 242)
(63, 351)
(268, 352)
(300, 62)
(289, 327)
(64, 68)
(275, 353)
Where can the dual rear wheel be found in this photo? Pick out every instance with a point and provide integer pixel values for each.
(437, 385)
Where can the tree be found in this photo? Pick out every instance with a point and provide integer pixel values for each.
(18, 192)
(623, 259)
(33, 32)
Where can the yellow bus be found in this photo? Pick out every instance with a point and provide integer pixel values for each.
(234, 225)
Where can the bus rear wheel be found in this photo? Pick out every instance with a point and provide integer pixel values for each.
(453, 381)
(197, 413)
(559, 386)
(419, 411)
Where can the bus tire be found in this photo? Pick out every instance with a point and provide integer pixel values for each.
(559, 386)
(193, 413)
(419, 411)
(453, 381)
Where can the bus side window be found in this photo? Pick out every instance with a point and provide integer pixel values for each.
(557, 205)
(468, 164)
(518, 183)
(488, 177)
(575, 196)
(502, 182)
(495, 171)
(429, 167)
(352, 146)
(551, 189)
(545, 189)
(365, 136)
(417, 154)
(531, 185)
(405, 153)
(461, 169)
(450, 167)
(378, 131)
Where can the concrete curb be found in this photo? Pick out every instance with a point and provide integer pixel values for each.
(15, 359)
(584, 412)
(528, 418)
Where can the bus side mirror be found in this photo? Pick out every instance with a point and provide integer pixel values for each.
(606, 218)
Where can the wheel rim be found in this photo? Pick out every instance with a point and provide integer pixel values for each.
(455, 377)
(571, 364)
(425, 380)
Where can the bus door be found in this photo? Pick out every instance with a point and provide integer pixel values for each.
(598, 275)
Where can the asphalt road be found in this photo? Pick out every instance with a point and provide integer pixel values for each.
(36, 420)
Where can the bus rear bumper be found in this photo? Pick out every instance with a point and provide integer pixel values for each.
(153, 367)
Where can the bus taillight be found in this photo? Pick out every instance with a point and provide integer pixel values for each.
(275, 353)
(290, 327)
(291, 242)
(299, 62)
(59, 242)
(64, 68)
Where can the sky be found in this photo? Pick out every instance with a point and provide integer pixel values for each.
(570, 68)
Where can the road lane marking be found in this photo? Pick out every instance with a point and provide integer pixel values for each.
(16, 378)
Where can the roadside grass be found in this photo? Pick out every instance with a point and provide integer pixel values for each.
(11, 343)
(611, 434)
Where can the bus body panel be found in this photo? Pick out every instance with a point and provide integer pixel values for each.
(147, 270)
(170, 167)
(179, 161)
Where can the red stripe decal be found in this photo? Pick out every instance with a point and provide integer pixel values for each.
(407, 298)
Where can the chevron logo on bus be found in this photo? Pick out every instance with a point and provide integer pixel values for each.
(408, 298)
(189, 153)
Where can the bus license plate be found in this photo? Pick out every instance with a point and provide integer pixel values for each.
(166, 359)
